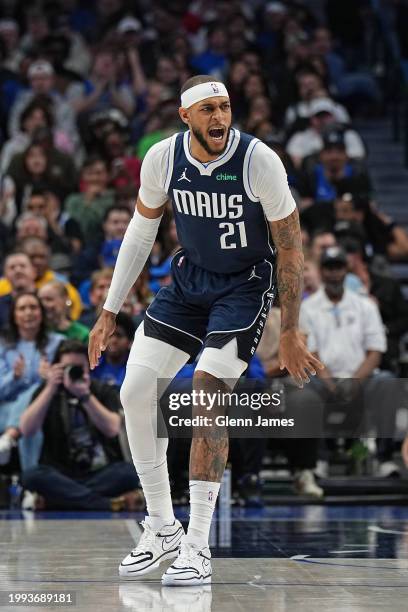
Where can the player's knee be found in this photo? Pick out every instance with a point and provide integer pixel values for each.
(138, 388)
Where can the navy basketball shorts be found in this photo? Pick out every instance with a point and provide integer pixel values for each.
(202, 309)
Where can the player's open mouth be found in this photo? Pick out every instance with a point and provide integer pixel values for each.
(216, 134)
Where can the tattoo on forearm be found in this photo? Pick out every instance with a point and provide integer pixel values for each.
(209, 446)
(288, 241)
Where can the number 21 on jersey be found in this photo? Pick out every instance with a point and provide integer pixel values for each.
(234, 232)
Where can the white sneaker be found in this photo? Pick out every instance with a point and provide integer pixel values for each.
(192, 567)
(155, 546)
(7, 443)
(388, 469)
(305, 484)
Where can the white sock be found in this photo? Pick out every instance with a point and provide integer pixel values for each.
(203, 496)
(156, 489)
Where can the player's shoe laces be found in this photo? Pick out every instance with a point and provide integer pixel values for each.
(155, 546)
(192, 567)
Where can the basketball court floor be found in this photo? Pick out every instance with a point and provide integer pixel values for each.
(302, 559)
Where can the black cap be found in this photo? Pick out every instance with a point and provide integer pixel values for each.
(334, 138)
(333, 255)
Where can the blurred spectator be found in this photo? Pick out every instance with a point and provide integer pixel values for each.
(321, 240)
(99, 285)
(26, 351)
(41, 78)
(159, 126)
(345, 331)
(77, 59)
(320, 180)
(41, 204)
(270, 38)
(260, 111)
(382, 235)
(102, 90)
(30, 226)
(10, 34)
(387, 294)
(56, 303)
(19, 272)
(112, 365)
(88, 207)
(309, 141)
(237, 76)
(115, 223)
(81, 466)
(301, 452)
(214, 59)
(36, 29)
(354, 87)
(39, 253)
(124, 168)
(310, 87)
(41, 165)
(311, 275)
(36, 114)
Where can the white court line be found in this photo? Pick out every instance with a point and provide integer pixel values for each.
(133, 529)
(349, 552)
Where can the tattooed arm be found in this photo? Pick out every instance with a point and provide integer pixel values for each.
(288, 241)
(293, 354)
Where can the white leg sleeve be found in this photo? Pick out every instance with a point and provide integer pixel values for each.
(223, 363)
(149, 360)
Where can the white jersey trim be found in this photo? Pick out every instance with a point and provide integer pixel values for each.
(230, 331)
(245, 172)
(170, 163)
(173, 327)
(207, 169)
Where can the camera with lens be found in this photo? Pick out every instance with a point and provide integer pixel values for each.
(75, 372)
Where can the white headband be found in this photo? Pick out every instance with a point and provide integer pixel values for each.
(201, 92)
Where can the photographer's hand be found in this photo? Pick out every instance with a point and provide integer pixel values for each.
(33, 416)
(54, 376)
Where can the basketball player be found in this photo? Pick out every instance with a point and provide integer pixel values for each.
(230, 196)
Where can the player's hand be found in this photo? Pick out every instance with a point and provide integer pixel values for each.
(404, 451)
(295, 357)
(99, 336)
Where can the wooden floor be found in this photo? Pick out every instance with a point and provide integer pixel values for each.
(80, 556)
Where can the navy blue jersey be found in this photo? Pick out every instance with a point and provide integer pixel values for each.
(221, 224)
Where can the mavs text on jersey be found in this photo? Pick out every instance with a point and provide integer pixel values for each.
(224, 273)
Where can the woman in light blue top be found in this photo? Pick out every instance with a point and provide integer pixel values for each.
(26, 351)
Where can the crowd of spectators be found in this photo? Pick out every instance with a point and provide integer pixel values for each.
(85, 90)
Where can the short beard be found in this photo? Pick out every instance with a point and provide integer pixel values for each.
(199, 135)
(334, 289)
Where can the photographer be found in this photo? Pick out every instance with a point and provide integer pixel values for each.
(81, 465)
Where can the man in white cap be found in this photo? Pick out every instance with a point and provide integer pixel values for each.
(230, 198)
(41, 78)
(308, 142)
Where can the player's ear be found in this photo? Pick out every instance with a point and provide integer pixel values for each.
(183, 112)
